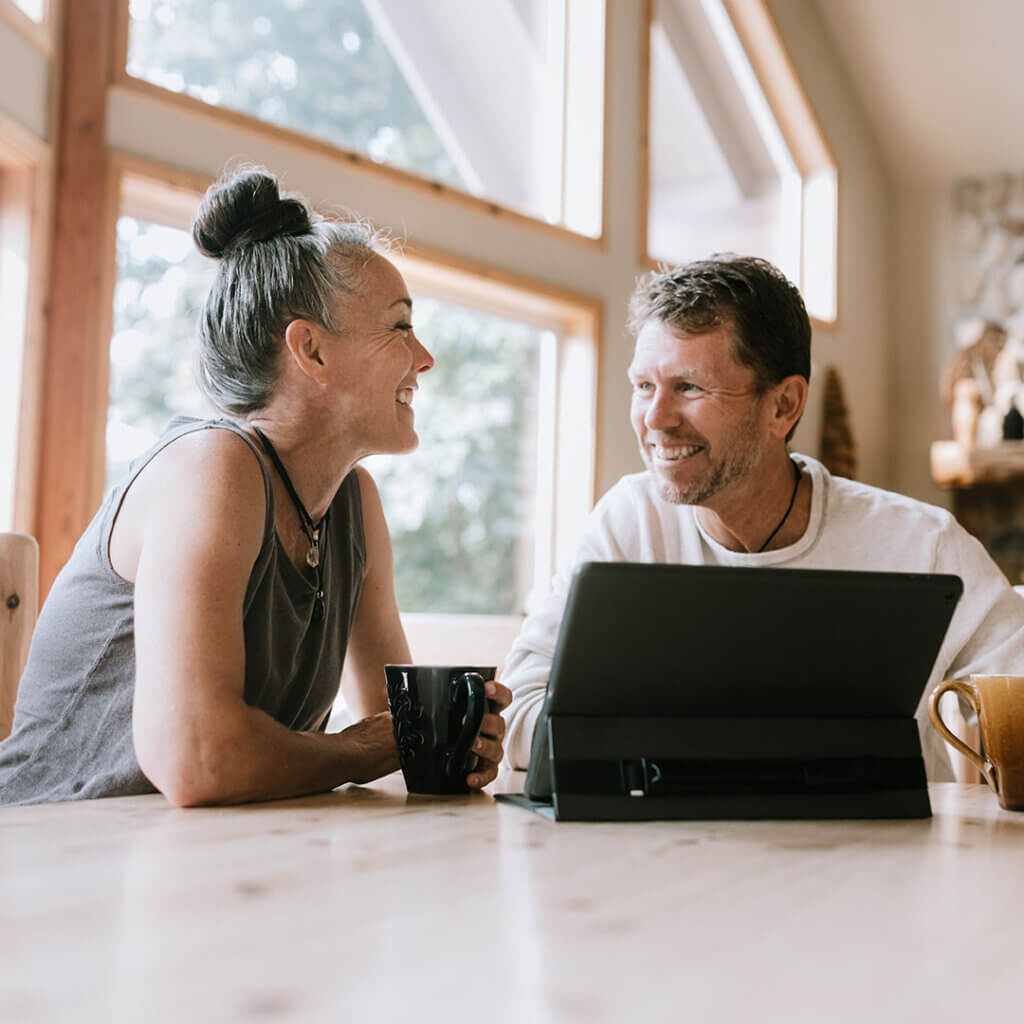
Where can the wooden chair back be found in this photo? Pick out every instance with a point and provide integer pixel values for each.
(19, 606)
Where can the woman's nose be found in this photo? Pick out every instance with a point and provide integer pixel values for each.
(422, 359)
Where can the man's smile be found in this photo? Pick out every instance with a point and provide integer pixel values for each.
(673, 453)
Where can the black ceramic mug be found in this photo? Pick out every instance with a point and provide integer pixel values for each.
(436, 711)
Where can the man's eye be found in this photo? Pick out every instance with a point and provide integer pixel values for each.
(403, 327)
(642, 385)
(687, 388)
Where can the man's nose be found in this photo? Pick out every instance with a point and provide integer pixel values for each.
(663, 412)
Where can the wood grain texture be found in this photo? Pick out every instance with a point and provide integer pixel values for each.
(74, 396)
(366, 904)
(19, 605)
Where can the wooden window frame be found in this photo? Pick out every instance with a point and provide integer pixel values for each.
(123, 83)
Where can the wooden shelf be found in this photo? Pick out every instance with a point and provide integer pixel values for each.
(954, 466)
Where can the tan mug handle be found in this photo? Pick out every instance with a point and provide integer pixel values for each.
(970, 695)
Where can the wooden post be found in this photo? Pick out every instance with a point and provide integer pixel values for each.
(19, 603)
(74, 399)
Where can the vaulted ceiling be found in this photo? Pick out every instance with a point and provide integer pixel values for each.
(941, 80)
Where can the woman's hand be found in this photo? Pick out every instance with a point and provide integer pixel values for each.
(371, 751)
(488, 745)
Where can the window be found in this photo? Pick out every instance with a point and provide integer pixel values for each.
(35, 9)
(162, 281)
(728, 170)
(462, 508)
(497, 492)
(503, 100)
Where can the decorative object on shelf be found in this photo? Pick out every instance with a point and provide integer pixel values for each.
(967, 407)
(983, 383)
(989, 325)
(1013, 425)
(838, 450)
(977, 346)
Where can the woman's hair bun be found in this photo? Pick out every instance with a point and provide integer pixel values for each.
(244, 208)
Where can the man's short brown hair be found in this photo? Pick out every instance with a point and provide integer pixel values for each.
(763, 309)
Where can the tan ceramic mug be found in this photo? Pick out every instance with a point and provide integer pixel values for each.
(999, 703)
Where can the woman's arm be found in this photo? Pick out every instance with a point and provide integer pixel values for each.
(378, 640)
(195, 737)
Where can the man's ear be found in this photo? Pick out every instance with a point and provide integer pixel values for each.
(304, 341)
(788, 399)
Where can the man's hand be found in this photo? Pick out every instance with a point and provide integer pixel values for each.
(488, 745)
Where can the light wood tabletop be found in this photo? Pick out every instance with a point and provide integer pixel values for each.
(368, 905)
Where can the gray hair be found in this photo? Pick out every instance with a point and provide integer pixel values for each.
(279, 261)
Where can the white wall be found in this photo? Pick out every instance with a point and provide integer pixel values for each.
(924, 311)
(861, 342)
(943, 81)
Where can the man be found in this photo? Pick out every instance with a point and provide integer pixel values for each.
(720, 375)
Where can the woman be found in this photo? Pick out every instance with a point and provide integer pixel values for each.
(195, 640)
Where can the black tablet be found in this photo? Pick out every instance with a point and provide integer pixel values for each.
(646, 640)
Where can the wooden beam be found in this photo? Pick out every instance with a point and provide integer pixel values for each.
(19, 601)
(71, 451)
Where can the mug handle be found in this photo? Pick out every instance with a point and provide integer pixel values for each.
(968, 693)
(476, 705)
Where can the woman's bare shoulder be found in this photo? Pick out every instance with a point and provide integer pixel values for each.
(202, 483)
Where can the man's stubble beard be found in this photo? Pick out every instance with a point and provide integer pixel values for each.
(742, 454)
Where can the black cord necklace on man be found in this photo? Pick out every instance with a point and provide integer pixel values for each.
(789, 508)
(311, 530)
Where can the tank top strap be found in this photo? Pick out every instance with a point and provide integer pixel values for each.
(177, 428)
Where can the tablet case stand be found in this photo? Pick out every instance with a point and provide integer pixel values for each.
(654, 710)
(692, 768)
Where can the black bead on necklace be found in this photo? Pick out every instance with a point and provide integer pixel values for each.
(311, 530)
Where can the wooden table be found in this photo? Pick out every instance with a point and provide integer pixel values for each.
(366, 905)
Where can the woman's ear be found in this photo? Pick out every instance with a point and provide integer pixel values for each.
(304, 341)
(789, 397)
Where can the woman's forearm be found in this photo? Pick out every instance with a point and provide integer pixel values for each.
(244, 755)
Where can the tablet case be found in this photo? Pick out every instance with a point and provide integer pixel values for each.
(712, 692)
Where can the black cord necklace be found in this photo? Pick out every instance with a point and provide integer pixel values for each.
(789, 507)
(309, 528)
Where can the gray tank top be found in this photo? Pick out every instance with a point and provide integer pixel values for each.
(72, 736)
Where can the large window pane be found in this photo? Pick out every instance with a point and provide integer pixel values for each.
(461, 509)
(718, 183)
(162, 281)
(723, 175)
(501, 98)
